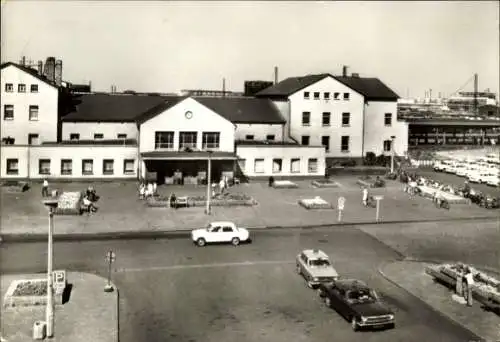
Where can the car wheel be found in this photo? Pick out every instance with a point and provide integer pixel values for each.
(309, 284)
(328, 302)
(354, 324)
(391, 326)
(235, 241)
(201, 242)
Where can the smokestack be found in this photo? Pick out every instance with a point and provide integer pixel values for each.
(40, 68)
(223, 87)
(275, 75)
(50, 69)
(58, 72)
(475, 93)
(344, 71)
(23, 60)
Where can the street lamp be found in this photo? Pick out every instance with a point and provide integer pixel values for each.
(51, 204)
(393, 137)
(209, 183)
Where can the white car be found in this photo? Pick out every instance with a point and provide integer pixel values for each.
(220, 232)
(441, 166)
(461, 170)
(478, 176)
(493, 180)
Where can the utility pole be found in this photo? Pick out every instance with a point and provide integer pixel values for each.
(209, 182)
(475, 94)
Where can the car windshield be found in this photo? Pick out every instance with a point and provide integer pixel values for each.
(320, 262)
(360, 296)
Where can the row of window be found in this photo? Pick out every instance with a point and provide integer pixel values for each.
(346, 119)
(97, 136)
(269, 137)
(108, 167)
(344, 143)
(187, 140)
(326, 95)
(21, 88)
(8, 112)
(259, 165)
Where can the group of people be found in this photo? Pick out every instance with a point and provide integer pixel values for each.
(89, 199)
(147, 190)
(465, 281)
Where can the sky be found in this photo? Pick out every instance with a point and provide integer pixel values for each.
(166, 46)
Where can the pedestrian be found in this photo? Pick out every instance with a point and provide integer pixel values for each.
(150, 190)
(221, 185)
(155, 188)
(173, 200)
(142, 191)
(365, 196)
(469, 281)
(45, 188)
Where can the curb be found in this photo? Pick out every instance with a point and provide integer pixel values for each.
(439, 312)
(182, 233)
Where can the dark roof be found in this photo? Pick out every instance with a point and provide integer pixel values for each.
(113, 107)
(31, 71)
(350, 283)
(371, 88)
(244, 109)
(201, 155)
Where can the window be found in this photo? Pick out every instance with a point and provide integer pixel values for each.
(227, 229)
(277, 165)
(306, 95)
(108, 166)
(74, 136)
(121, 136)
(259, 166)
(336, 96)
(249, 137)
(325, 141)
(312, 165)
(8, 112)
(33, 113)
(306, 118)
(326, 119)
(98, 136)
(44, 166)
(242, 163)
(12, 166)
(66, 166)
(388, 119)
(305, 140)
(21, 88)
(270, 137)
(33, 139)
(211, 140)
(187, 140)
(387, 145)
(344, 143)
(8, 141)
(34, 88)
(164, 140)
(128, 166)
(346, 119)
(316, 95)
(346, 96)
(295, 165)
(87, 167)
(9, 87)
(326, 95)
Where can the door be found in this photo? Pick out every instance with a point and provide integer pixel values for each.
(215, 234)
(227, 233)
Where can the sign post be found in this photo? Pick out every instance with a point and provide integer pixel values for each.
(341, 204)
(110, 258)
(378, 199)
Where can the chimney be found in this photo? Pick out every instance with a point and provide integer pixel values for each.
(50, 69)
(223, 87)
(355, 75)
(344, 71)
(275, 75)
(23, 60)
(58, 72)
(40, 68)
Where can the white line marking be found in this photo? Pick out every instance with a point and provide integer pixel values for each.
(215, 265)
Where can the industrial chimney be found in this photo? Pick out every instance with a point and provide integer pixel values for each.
(40, 68)
(58, 72)
(275, 75)
(344, 71)
(50, 69)
(23, 61)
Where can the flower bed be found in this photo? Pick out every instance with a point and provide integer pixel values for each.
(69, 203)
(284, 184)
(370, 182)
(315, 203)
(15, 186)
(325, 183)
(225, 200)
(30, 292)
(31, 288)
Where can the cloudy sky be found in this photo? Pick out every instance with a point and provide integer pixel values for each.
(167, 46)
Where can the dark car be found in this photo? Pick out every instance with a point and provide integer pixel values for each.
(357, 303)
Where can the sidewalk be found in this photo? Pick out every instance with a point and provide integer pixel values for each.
(412, 277)
(89, 315)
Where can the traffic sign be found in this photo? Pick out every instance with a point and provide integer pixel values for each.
(378, 197)
(341, 203)
(110, 256)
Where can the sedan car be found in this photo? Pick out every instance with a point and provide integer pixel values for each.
(493, 180)
(220, 232)
(314, 265)
(357, 303)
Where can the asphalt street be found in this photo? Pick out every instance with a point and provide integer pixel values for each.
(174, 291)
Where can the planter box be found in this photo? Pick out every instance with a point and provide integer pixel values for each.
(14, 299)
(325, 184)
(69, 203)
(315, 203)
(369, 183)
(284, 184)
(201, 202)
(15, 186)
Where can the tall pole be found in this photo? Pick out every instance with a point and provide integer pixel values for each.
(209, 183)
(475, 94)
(392, 154)
(49, 313)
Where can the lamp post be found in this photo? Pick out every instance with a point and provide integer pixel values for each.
(393, 137)
(51, 204)
(209, 182)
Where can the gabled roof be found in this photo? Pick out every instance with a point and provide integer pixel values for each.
(31, 71)
(248, 110)
(371, 88)
(113, 107)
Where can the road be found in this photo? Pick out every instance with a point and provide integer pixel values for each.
(173, 291)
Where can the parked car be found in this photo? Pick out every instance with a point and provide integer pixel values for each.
(461, 170)
(440, 165)
(220, 232)
(357, 303)
(478, 176)
(315, 266)
(493, 180)
(489, 202)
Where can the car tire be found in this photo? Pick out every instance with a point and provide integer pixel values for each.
(201, 242)
(354, 324)
(309, 284)
(235, 241)
(391, 326)
(328, 302)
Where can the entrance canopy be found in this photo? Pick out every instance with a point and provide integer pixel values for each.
(171, 155)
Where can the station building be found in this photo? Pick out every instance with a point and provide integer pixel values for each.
(292, 128)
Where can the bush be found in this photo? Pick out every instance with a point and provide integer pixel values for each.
(370, 159)
(348, 163)
(383, 160)
(391, 176)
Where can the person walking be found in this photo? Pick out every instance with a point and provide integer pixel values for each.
(365, 196)
(469, 281)
(45, 188)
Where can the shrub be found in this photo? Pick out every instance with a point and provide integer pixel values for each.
(348, 163)
(370, 159)
(383, 160)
